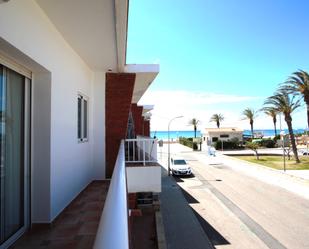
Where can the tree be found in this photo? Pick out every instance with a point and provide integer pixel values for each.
(272, 112)
(194, 122)
(217, 118)
(250, 114)
(282, 102)
(254, 147)
(298, 84)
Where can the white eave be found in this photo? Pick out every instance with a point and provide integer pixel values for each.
(145, 74)
(147, 111)
(147, 108)
(121, 12)
(96, 29)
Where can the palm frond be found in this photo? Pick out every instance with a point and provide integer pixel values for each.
(281, 101)
(217, 117)
(297, 84)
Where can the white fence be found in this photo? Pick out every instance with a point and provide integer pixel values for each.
(141, 150)
(113, 228)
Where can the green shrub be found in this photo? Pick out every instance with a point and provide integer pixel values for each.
(195, 147)
(268, 143)
(186, 141)
(227, 145)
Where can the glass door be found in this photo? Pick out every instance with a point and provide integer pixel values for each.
(14, 156)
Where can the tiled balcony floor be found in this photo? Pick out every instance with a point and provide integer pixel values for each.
(75, 227)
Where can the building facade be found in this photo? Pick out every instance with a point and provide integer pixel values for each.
(212, 135)
(66, 94)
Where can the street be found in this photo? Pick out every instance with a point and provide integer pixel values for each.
(238, 210)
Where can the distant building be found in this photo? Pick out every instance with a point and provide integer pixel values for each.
(212, 135)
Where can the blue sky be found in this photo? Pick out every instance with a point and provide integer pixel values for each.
(232, 52)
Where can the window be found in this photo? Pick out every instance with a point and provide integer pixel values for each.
(224, 136)
(82, 118)
(215, 139)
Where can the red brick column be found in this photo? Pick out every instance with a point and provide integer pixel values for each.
(147, 128)
(137, 112)
(118, 97)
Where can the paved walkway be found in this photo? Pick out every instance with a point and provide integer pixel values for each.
(182, 229)
(75, 227)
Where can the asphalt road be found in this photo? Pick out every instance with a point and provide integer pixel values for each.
(240, 211)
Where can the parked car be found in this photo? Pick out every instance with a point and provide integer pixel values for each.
(179, 167)
(304, 152)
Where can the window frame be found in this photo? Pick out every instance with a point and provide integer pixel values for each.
(81, 122)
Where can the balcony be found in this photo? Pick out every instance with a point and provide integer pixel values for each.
(83, 224)
(142, 168)
(136, 170)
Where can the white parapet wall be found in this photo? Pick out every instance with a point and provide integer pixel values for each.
(113, 230)
(144, 179)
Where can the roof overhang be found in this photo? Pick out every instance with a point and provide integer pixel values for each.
(96, 29)
(147, 108)
(147, 111)
(145, 74)
(227, 129)
(121, 11)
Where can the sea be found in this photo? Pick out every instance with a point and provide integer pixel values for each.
(176, 134)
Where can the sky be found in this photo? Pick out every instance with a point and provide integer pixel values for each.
(217, 56)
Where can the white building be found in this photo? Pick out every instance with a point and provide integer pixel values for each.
(66, 93)
(211, 135)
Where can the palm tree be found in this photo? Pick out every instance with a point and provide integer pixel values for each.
(250, 114)
(272, 112)
(194, 122)
(298, 84)
(218, 118)
(282, 102)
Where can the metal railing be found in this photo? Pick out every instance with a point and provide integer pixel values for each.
(141, 150)
(113, 227)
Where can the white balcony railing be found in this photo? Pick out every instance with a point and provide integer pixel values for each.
(113, 227)
(141, 150)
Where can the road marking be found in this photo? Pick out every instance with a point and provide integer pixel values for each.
(258, 230)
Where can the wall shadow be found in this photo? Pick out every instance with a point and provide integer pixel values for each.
(215, 237)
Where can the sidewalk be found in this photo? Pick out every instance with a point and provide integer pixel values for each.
(182, 229)
(296, 182)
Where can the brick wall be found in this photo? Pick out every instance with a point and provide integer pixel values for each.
(147, 128)
(118, 97)
(137, 112)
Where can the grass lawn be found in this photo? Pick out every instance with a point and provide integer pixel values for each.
(276, 162)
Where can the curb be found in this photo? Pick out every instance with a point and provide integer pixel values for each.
(160, 231)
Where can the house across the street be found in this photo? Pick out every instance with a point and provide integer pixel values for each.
(212, 135)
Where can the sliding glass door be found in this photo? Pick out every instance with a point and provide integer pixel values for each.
(14, 156)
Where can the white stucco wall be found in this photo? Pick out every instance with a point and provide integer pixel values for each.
(144, 179)
(72, 165)
(211, 135)
(99, 125)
